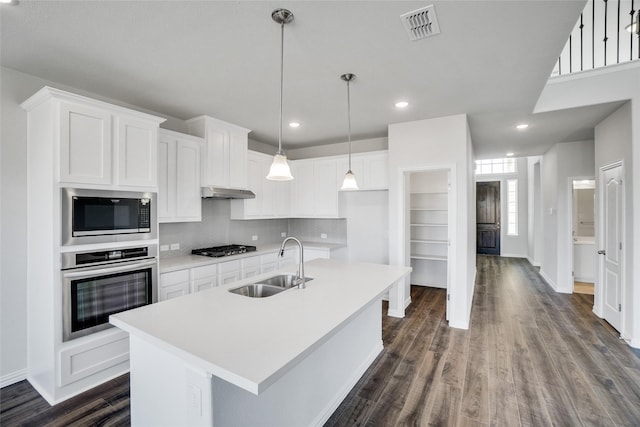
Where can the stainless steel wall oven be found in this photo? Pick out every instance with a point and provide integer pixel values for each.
(96, 284)
(103, 216)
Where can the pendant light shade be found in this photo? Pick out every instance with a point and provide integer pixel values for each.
(349, 183)
(280, 170)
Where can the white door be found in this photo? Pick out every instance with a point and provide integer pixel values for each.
(612, 201)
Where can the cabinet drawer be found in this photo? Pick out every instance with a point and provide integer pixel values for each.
(229, 266)
(174, 277)
(253, 261)
(205, 271)
(89, 358)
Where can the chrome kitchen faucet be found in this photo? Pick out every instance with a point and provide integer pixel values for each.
(301, 278)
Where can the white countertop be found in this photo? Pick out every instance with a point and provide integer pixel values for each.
(189, 261)
(251, 342)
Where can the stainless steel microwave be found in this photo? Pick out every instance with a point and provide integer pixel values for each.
(103, 216)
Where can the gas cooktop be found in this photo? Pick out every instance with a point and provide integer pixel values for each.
(220, 251)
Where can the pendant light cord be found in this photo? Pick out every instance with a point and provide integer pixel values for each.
(349, 120)
(281, 84)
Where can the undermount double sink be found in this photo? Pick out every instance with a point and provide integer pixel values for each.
(269, 286)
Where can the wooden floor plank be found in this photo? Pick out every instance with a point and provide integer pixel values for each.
(531, 357)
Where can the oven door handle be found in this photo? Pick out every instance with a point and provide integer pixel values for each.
(110, 270)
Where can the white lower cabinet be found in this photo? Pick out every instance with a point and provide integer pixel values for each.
(92, 356)
(173, 284)
(290, 257)
(268, 263)
(229, 272)
(250, 266)
(205, 277)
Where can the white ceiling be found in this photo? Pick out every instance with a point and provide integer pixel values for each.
(222, 58)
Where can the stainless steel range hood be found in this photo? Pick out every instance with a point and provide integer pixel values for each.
(226, 193)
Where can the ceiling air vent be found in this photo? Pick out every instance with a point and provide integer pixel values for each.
(421, 23)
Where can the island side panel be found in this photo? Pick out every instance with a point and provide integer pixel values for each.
(165, 391)
(308, 394)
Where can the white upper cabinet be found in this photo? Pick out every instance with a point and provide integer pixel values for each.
(371, 170)
(272, 197)
(179, 177)
(224, 156)
(85, 144)
(137, 152)
(314, 189)
(99, 144)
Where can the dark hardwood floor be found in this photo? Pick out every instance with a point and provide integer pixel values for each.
(531, 357)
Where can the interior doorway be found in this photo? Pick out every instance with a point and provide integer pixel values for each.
(583, 235)
(429, 218)
(488, 218)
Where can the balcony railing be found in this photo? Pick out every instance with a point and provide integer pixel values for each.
(607, 33)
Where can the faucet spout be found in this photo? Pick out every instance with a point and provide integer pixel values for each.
(301, 278)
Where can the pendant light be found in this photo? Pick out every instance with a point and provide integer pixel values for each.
(349, 182)
(280, 170)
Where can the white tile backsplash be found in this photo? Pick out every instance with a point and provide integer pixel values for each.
(216, 228)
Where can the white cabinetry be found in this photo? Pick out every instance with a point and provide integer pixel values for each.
(224, 157)
(205, 277)
(179, 177)
(371, 170)
(174, 284)
(250, 266)
(429, 229)
(314, 190)
(272, 197)
(75, 141)
(101, 144)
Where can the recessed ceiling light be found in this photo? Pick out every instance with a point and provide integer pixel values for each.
(509, 154)
(402, 104)
(294, 124)
(13, 2)
(522, 126)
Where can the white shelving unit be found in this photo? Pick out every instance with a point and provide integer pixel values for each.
(429, 229)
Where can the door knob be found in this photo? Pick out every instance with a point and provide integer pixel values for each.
(602, 252)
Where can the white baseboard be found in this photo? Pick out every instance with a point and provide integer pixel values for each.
(635, 343)
(513, 255)
(337, 400)
(459, 325)
(407, 301)
(548, 280)
(13, 377)
(533, 263)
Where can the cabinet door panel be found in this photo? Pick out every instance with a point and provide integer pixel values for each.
(238, 146)
(85, 145)
(326, 188)
(302, 194)
(204, 283)
(376, 171)
(173, 291)
(216, 168)
(166, 180)
(229, 277)
(188, 180)
(137, 153)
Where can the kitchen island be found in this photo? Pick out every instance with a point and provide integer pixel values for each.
(220, 359)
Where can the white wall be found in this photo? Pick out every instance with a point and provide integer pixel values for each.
(560, 165)
(513, 246)
(612, 144)
(535, 231)
(441, 143)
(615, 83)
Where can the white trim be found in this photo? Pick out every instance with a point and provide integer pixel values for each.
(598, 298)
(13, 377)
(514, 256)
(459, 325)
(548, 280)
(570, 278)
(634, 343)
(593, 72)
(532, 262)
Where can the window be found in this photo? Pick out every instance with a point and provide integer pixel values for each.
(512, 207)
(495, 166)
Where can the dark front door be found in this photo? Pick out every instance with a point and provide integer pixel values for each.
(488, 218)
